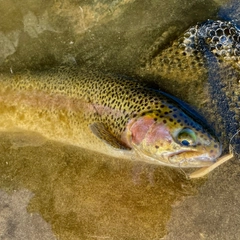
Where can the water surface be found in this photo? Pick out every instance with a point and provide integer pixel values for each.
(77, 194)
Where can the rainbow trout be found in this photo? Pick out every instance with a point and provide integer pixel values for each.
(116, 116)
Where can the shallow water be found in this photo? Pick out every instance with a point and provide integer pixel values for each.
(75, 194)
(85, 194)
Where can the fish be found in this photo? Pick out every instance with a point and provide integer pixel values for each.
(115, 115)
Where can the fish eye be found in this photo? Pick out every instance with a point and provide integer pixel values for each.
(187, 137)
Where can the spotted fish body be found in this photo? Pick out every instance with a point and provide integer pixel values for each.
(116, 116)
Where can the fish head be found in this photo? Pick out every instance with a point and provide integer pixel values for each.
(173, 139)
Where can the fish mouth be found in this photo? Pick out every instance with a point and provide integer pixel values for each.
(189, 161)
(184, 158)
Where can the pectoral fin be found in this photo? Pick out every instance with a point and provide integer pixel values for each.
(103, 133)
